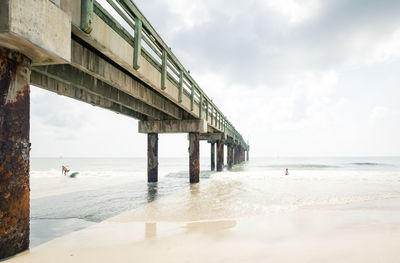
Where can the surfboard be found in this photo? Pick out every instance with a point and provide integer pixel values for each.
(73, 174)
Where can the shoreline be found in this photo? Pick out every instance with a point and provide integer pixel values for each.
(358, 232)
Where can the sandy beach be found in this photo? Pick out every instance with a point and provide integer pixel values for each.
(207, 223)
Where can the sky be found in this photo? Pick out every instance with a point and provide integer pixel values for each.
(295, 77)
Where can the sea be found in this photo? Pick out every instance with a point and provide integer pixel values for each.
(106, 187)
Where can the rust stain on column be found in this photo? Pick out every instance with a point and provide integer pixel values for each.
(14, 152)
(194, 157)
(212, 156)
(220, 155)
(152, 157)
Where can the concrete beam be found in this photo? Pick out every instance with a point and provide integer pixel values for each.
(14, 152)
(67, 89)
(173, 126)
(84, 81)
(37, 28)
(212, 136)
(99, 67)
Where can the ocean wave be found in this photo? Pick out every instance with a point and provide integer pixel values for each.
(370, 164)
(299, 166)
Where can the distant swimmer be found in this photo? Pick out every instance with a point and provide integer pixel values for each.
(65, 169)
(287, 172)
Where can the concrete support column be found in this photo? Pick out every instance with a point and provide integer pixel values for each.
(194, 157)
(247, 155)
(212, 156)
(220, 155)
(235, 154)
(152, 157)
(15, 70)
(230, 156)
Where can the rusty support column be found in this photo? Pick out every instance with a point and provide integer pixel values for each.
(152, 157)
(230, 156)
(15, 70)
(212, 156)
(194, 157)
(220, 155)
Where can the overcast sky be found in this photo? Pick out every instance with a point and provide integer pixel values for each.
(296, 78)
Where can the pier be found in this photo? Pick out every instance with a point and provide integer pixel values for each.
(118, 62)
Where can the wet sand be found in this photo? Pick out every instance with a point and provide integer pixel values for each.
(203, 225)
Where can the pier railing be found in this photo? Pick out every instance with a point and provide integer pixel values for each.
(128, 22)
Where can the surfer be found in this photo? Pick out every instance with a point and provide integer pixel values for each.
(287, 171)
(65, 169)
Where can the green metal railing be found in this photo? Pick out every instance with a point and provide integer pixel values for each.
(136, 30)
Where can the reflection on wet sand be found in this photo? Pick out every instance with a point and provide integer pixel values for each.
(152, 192)
(210, 226)
(150, 230)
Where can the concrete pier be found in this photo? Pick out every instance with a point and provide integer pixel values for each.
(194, 157)
(220, 155)
(152, 157)
(212, 156)
(78, 49)
(15, 70)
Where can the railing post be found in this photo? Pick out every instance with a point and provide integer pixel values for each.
(201, 106)
(192, 97)
(86, 15)
(180, 86)
(207, 110)
(138, 46)
(164, 70)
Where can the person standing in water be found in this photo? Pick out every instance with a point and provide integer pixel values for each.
(65, 169)
(287, 171)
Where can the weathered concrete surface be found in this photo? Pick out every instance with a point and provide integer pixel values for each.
(97, 66)
(212, 156)
(14, 152)
(37, 28)
(220, 155)
(230, 155)
(65, 88)
(213, 136)
(87, 82)
(152, 157)
(173, 126)
(194, 157)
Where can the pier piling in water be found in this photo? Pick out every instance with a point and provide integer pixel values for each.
(220, 155)
(194, 157)
(15, 70)
(152, 157)
(212, 156)
(230, 155)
